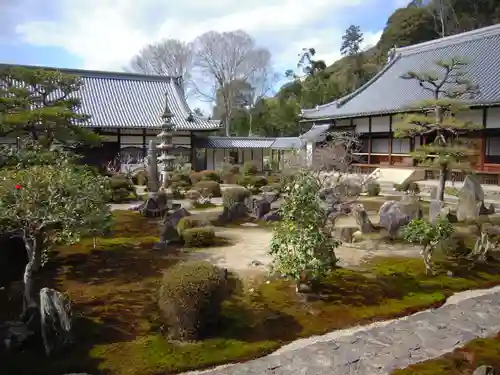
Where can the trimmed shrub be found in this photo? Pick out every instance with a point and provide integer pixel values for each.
(122, 189)
(373, 189)
(250, 169)
(234, 195)
(252, 181)
(178, 188)
(207, 175)
(198, 237)
(140, 178)
(230, 178)
(208, 187)
(180, 177)
(189, 222)
(408, 187)
(190, 299)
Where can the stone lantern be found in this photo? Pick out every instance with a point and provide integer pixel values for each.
(166, 159)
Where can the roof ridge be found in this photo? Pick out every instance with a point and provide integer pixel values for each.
(97, 73)
(467, 36)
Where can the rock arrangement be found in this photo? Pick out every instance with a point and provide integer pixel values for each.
(396, 214)
(380, 349)
(471, 200)
(50, 324)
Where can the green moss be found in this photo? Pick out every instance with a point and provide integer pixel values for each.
(153, 354)
(461, 361)
(203, 206)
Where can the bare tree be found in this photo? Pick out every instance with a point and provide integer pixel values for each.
(445, 18)
(168, 57)
(223, 58)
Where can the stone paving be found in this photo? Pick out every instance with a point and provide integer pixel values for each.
(386, 346)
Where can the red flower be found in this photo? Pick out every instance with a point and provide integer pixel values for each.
(18, 187)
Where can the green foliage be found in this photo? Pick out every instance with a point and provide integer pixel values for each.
(208, 188)
(181, 177)
(55, 203)
(252, 182)
(250, 168)
(179, 188)
(207, 175)
(234, 195)
(373, 189)
(122, 189)
(190, 299)
(140, 178)
(421, 232)
(199, 237)
(302, 248)
(42, 105)
(189, 222)
(408, 187)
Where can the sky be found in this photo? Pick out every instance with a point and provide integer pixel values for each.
(105, 34)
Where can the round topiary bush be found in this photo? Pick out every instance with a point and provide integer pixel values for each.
(252, 182)
(198, 237)
(122, 189)
(190, 299)
(207, 175)
(235, 195)
(140, 178)
(250, 169)
(188, 222)
(179, 188)
(207, 187)
(180, 177)
(373, 189)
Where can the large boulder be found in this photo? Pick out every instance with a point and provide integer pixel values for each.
(260, 207)
(471, 200)
(56, 324)
(362, 220)
(395, 214)
(169, 233)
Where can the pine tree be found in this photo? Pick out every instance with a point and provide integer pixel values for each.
(436, 118)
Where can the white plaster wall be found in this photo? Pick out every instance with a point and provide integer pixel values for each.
(362, 125)
(380, 124)
(493, 118)
(310, 149)
(219, 158)
(342, 122)
(257, 158)
(210, 159)
(110, 138)
(131, 139)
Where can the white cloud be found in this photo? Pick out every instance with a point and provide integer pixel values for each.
(105, 34)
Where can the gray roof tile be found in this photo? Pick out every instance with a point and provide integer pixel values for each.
(127, 100)
(248, 142)
(388, 93)
(315, 133)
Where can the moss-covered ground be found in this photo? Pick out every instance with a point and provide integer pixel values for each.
(118, 331)
(462, 361)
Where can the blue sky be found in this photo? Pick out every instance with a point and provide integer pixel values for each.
(105, 34)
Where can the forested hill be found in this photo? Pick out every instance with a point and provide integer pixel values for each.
(420, 21)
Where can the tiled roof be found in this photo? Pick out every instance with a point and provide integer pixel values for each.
(315, 133)
(387, 92)
(287, 143)
(247, 142)
(119, 100)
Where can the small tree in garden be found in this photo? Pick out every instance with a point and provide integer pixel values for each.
(302, 247)
(48, 205)
(421, 232)
(435, 118)
(41, 105)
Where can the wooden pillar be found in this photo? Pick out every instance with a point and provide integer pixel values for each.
(483, 139)
(390, 140)
(370, 140)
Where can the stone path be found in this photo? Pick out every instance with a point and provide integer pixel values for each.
(382, 347)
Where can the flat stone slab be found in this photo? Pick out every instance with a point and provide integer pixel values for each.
(385, 346)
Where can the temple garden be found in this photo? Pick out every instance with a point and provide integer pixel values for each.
(222, 266)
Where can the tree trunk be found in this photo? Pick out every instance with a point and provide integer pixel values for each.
(33, 245)
(250, 133)
(442, 183)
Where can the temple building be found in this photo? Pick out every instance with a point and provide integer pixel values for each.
(374, 109)
(126, 109)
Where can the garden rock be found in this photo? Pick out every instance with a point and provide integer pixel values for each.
(169, 233)
(260, 207)
(272, 216)
(484, 370)
(55, 311)
(362, 219)
(435, 209)
(14, 336)
(395, 214)
(345, 234)
(471, 200)
(236, 211)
